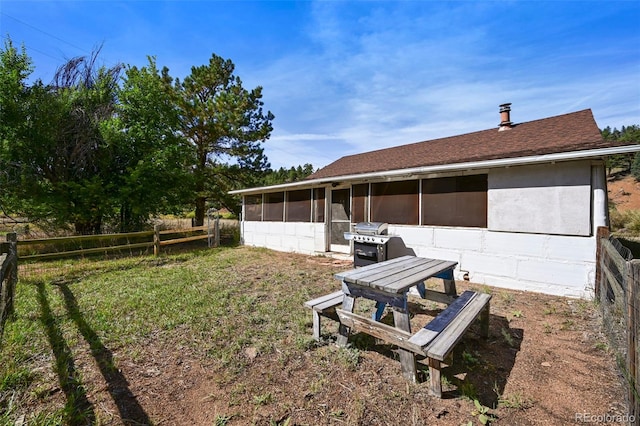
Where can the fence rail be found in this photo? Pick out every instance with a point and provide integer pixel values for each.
(618, 291)
(57, 247)
(47, 248)
(8, 278)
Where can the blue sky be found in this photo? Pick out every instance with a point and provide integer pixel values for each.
(348, 77)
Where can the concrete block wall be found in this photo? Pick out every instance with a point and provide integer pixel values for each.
(551, 264)
(297, 237)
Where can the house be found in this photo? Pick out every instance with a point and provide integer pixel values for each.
(516, 206)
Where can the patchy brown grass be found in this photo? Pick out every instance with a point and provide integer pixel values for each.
(221, 337)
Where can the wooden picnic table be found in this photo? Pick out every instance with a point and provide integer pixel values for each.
(388, 283)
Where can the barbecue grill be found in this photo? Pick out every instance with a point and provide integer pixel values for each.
(369, 242)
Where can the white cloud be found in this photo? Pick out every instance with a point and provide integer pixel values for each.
(287, 150)
(358, 76)
(392, 77)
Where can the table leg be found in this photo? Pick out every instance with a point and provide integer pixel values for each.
(380, 307)
(407, 358)
(484, 322)
(449, 282)
(344, 331)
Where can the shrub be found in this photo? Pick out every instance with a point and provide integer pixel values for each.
(616, 220)
(627, 222)
(632, 221)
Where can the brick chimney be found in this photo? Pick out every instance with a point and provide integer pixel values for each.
(505, 117)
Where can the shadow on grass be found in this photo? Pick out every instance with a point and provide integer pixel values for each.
(117, 385)
(78, 409)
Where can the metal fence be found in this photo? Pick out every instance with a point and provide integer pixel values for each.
(618, 292)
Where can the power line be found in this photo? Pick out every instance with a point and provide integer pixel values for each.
(61, 58)
(44, 32)
(29, 48)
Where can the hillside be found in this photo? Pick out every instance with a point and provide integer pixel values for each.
(624, 193)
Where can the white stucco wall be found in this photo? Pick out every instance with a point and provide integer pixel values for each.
(543, 199)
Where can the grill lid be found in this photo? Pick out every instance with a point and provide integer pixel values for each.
(371, 228)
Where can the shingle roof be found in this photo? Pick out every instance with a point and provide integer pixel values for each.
(563, 133)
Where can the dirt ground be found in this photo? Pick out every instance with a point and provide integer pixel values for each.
(545, 363)
(624, 193)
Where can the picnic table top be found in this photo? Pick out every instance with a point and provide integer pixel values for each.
(396, 275)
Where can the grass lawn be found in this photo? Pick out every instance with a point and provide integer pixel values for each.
(215, 303)
(220, 336)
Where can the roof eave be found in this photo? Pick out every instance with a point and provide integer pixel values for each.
(442, 168)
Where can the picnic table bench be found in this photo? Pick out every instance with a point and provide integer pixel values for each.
(389, 282)
(324, 306)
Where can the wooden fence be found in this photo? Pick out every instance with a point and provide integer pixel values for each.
(8, 278)
(618, 291)
(74, 246)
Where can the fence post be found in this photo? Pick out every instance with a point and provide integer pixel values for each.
(601, 232)
(12, 239)
(216, 231)
(12, 280)
(156, 240)
(633, 295)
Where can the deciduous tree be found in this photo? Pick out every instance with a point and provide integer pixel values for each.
(15, 69)
(90, 148)
(54, 152)
(154, 159)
